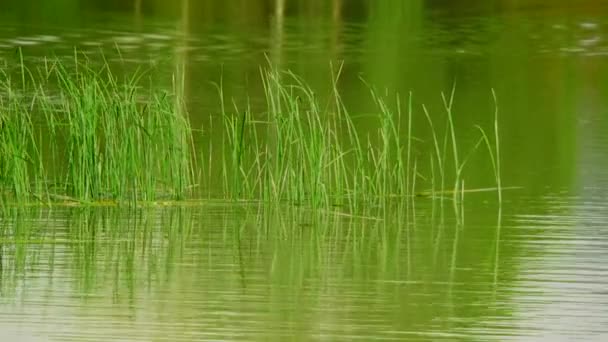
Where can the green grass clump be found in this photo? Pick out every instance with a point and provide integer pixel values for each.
(119, 146)
(20, 167)
(300, 151)
(105, 138)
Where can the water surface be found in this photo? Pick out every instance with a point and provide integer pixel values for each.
(534, 269)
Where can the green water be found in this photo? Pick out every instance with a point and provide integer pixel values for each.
(534, 269)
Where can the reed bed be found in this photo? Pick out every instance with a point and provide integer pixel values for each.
(79, 133)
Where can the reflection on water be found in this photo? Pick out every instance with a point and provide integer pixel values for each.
(233, 272)
(561, 292)
(245, 272)
(477, 36)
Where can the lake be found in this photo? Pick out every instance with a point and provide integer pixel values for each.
(532, 267)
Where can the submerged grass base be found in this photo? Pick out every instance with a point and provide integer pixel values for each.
(85, 137)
